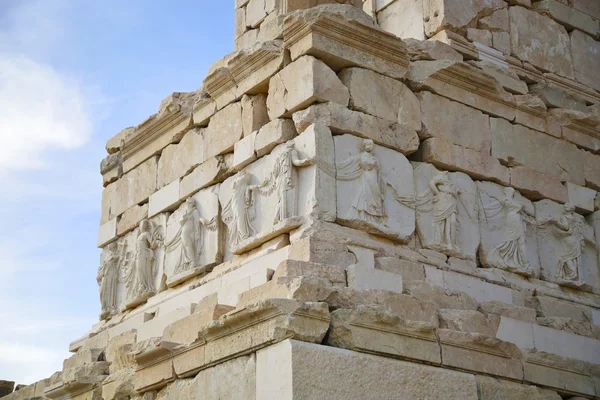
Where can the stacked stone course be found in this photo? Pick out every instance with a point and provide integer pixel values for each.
(379, 199)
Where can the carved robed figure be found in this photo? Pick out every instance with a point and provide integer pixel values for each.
(108, 277)
(368, 201)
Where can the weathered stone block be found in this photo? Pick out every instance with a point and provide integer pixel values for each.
(459, 124)
(342, 120)
(302, 83)
(381, 96)
(224, 130)
(254, 113)
(272, 134)
(177, 160)
(134, 187)
(312, 371)
(444, 154)
(581, 197)
(568, 16)
(208, 173)
(497, 389)
(402, 18)
(540, 41)
(455, 14)
(516, 144)
(536, 186)
(586, 58)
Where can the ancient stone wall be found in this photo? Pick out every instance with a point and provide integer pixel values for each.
(339, 213)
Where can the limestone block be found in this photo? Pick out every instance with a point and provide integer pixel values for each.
(550, 307)
(497, 21)
(505, 77)
(208, 173)
(115, 143)
(291, 269)
(474, 287)
(537, 186)
(385, 334)
(516, 144)
(108, 199)
(194, 237)
(501, 42)
(204, 109)
(508, 230)
(453, 194)
(293, 369)
(321, 251)
(480, 35)
(240, 22)
(444, 154)
(404, 306)
(590, 7)
(6, 388)
(228, 380)
(469, 321)
(224, 130)
(455, 80)
(364, 276)
(134, 187)
(155, 377)
(254, 113)
(119, 384)
(567, 246)
(562, 374)
(272, 134)
(516, 331)
(508, 310)
(566, 344)
(243, 152)
(402, 18)
(581, 197)
(117, 351)
(449, 14)
(302, 83)
(165, 199)
(188, 329)
(591, 165)
(381, 96)
(439, 296)
(481, 354)
(568, 16)
(498, 389)
(344, 37)
(257, 10)
(84, 356)
(557, 97)
(409, 270)
(111, 168)
(277, 192)
(107, 232)
(177, 160)
(540, 41)
(459, 124)
(586, 56)
(131, 218)
(375, 189)
(531, 112)
(342, 120)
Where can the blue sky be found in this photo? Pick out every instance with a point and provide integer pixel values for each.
(72, 74)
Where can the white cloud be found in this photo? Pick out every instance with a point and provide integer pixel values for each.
(40, 109)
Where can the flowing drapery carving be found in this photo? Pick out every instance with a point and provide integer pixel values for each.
(108, 278)
(142, 285)
(188, 239)
(511, 252)
(238, 212)
(368, 201)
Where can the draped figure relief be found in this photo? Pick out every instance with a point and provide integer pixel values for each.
(375, 188)
(447, 211)
(108, 278)
(504, 229)
(284, 182)
(238, 212)
(142, 285)
(569, 230)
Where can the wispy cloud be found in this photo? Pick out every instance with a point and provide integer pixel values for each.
(40, 109)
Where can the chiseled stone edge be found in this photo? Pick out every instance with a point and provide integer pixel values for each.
(367, 43)
(267, 322)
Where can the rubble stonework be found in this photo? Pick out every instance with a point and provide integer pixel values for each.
(340, 212)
